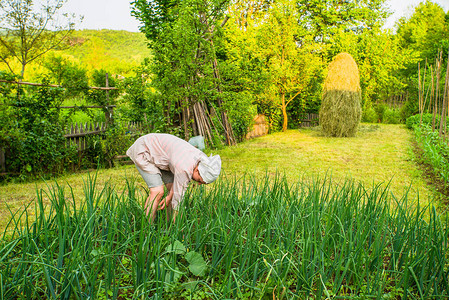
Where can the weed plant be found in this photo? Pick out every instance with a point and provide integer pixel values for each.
(239, 238)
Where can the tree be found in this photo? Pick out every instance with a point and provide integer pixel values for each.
(278, 56)
(323, 18)
(289, 61)
(426, 31)
(27, 33)
(67, 73)
(183, 36)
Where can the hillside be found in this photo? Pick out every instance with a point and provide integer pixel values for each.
(116, 51)
(91, 46)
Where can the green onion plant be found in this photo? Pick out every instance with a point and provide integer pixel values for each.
(240, 238)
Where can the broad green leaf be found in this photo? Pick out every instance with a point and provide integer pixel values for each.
(198, 265)
(177, 247)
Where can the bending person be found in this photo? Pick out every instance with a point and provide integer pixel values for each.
(164, 159)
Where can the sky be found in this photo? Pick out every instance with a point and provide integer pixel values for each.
(405, 8)
(116, 14)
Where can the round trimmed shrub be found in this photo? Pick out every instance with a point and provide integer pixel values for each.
(341, 111)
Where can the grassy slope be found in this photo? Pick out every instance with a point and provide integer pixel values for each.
(114, 45)
(371, 157)
(116, 51)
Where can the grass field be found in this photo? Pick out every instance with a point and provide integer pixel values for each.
(378, 154)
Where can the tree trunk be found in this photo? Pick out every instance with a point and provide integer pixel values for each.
(284, 113)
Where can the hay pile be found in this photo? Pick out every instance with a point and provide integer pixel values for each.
(341, 111)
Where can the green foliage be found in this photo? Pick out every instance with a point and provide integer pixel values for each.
(241, 112)
(33, 125)
(138, 102)
(100, 97)
(34, 142)
(238, 239)
(435, 150)
(391, 116)
(427, 120)
(370, 115)
(68, 74)
(425, 32)
(102, 148)
(410, 107)
(325, 18)
(272, 48)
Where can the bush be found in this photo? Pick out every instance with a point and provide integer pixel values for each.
(35, 145)
(391, 116)
(341, 111)
(427, 119)
(380, 111)
(369, 115)
(409, 109)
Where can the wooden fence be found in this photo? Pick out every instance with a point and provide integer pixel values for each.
(309, 120)
(77, 133)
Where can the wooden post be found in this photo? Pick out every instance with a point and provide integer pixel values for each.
(109, 111)
(2, 160)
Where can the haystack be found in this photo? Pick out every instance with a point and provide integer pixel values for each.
(341, 111)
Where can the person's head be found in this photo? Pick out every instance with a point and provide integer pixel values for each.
(208, 169)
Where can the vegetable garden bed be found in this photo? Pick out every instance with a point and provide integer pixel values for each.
(241, 238)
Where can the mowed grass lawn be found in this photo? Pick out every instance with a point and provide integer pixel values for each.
(379, 154)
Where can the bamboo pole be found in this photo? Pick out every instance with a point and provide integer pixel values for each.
(445, 102)
(197, 120)
(432, 99)
(419, 94)
(437, 87)
(423, 87)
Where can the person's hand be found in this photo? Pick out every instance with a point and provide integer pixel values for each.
(164, 203)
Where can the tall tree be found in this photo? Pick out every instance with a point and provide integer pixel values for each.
(425, 32)
(289, 61)
(279, 56)
(323, 18)
(28, 32)
(183, 36)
